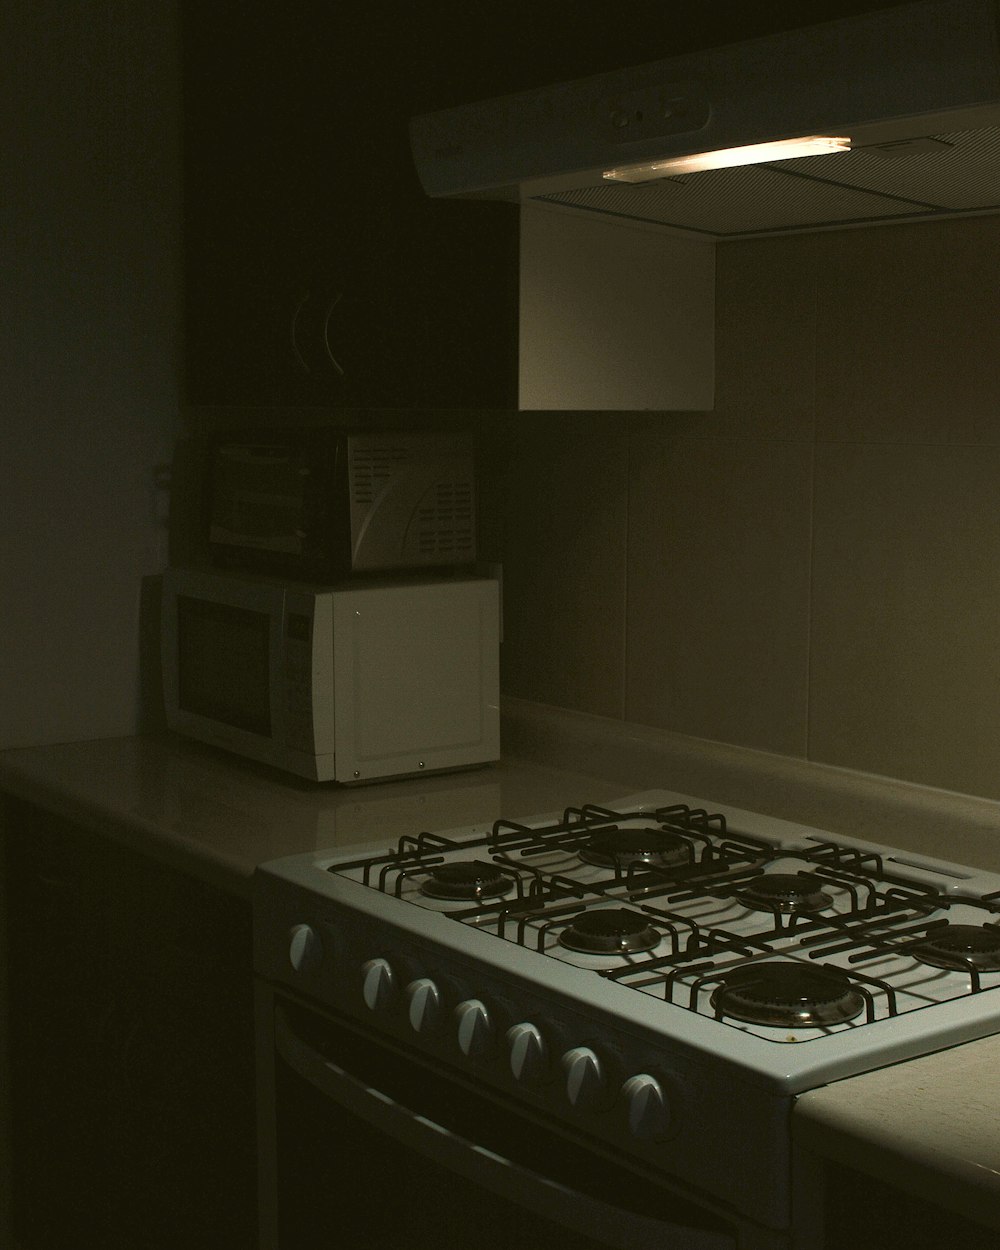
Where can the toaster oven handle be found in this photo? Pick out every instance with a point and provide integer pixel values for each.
(613, 1226)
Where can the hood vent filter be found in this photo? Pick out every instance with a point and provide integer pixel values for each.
(932, 176)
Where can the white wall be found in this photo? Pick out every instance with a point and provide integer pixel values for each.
(89, 371)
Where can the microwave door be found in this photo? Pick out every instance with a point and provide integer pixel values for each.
(416, 678)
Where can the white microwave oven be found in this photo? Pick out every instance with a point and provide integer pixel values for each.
(348, 684)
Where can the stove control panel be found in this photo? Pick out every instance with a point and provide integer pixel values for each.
(582, 1065)
(550, 1063)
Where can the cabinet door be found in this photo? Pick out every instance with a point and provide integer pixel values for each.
(57, 1034)
(613, 315)
(131, 1048)
(180, 984)
(316, 270)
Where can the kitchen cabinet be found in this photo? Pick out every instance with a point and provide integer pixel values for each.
(613, 315)
(316, 270)
(131, 1047)
(864, 1213)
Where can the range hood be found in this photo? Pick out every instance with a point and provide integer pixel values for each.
(915, 88)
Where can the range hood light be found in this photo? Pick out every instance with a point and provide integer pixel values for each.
(724, 158)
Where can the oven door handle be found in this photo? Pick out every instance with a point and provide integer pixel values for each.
(617, 1227)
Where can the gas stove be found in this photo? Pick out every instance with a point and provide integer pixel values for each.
(659, 976)
(775, 931)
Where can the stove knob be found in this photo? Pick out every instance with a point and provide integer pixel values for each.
(423, 1004)
(647, 1107)
(586, 1087)
(529, 1058)
(378, 984)
(475, 1028)
(305, 950)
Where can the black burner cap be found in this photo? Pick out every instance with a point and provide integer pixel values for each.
(618, 848)
(787, 893)
(471, 879)
(960, 946)
(787, 994)
(610, 931)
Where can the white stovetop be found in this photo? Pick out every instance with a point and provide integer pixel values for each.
(817, 1056)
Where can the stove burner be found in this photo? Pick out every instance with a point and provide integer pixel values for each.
(466, 879)
(618, 848)
(784, 893)
(788, 995)
(610, 931)
(957, 946)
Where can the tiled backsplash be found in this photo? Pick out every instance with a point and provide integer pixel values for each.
(812, 569)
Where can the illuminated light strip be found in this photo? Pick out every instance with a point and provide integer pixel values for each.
(725, 158)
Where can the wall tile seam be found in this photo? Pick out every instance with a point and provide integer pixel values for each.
(626, 553)
(807, 742)
(970, 445)
(749, 439)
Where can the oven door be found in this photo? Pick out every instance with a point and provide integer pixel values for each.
(363, 1145)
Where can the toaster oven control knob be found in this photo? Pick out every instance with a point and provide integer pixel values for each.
(305, 950)
(529, 1058)
(475, 1028)
(378, 984)
(646, 1106)
(423, 1004)
(586, 1087)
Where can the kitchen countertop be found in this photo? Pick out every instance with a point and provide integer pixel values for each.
(216, 816)
(930, 1126)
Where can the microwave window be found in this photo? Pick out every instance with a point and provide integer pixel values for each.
(222, 662)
